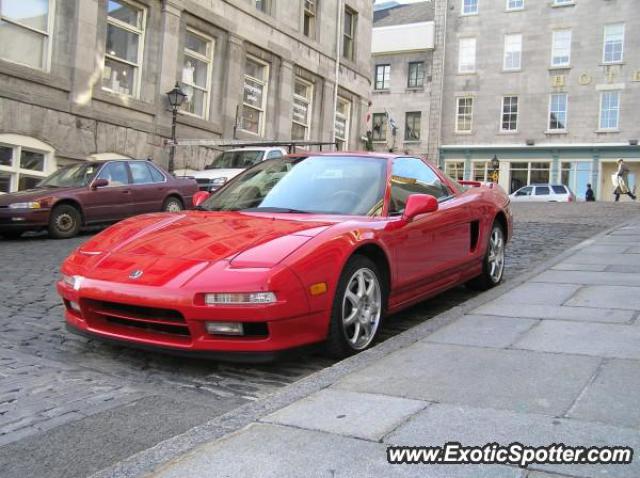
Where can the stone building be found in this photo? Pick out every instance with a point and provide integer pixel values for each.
(88, 78)
(402, 51)
(551, 88)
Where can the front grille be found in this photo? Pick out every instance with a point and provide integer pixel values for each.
(150, 319)
(203, 181)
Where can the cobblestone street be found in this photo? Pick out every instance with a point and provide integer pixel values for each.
(70, 406)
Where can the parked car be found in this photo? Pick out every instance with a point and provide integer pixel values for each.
(93, 193)
(293, 251)
(229, 164)
(544, 193)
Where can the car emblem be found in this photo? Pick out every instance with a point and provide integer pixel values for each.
(136, 274)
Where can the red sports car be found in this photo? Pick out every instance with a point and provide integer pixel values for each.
(293, 251)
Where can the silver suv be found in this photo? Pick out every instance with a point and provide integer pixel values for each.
(543, 193)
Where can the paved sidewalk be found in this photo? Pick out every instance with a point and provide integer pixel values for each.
(555, 359)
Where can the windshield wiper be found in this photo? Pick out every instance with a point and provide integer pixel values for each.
(276, 209)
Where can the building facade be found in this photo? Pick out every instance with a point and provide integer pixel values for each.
(402, 52)
(86, 79)
(551, 88)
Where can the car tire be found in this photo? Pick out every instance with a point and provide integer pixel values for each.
(11, 234)
(357, 308)
(493, 262)
(172, 204)
(64, 222)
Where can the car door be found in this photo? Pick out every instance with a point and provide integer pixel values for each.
(431, 246)
(111, 202)
(148, 190)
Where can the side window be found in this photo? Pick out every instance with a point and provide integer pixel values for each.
(275, 154)
(542, 191)
(157, 176)
(412, 176)
(140, 173)
(115, 173)
(559, 189)
(524, 191)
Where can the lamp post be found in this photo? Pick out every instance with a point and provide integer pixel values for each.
(495, 166)
(176, 98)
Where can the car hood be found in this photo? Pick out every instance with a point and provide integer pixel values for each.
(33, 195)
(217, 173)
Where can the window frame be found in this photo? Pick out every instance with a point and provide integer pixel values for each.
(308, 101)
(15, 171)
(458, 115)
(563, 3)
(208, 59)
(554, 48)
(457, 167)
(566, 113)
(413, 114)
(511, 112)
(461, 49)
(313, 15)
(347, 121)
(137, 81)
(349, 36)
(604, 43)
(265, 93)
(382, 138)
(618, 108)
(47, 50)
(509, 8)
(149, 167)
(463, 10)
(386, 77)
(506, 52)
(416, 75)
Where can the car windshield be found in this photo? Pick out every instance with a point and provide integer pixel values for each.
(316, 184)
(78, 175)
(236, 160)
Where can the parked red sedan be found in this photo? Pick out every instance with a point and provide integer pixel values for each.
(293, 251)
(93, 193)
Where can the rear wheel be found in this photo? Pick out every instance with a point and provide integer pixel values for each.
(357, 308)
(172, 204)
(493, 264)
(64, 222)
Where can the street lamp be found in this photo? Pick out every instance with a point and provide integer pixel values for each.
(176, 98)
(495, 166)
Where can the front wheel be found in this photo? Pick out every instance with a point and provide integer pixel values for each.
(64, 222)
(357, 308)
(172, 204)
(493, 264)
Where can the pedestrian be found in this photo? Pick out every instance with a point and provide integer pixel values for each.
(589, 196)
(622, 175)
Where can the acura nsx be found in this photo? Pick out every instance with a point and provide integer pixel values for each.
(293, 251)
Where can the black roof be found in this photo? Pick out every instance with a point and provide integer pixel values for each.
(403, 14)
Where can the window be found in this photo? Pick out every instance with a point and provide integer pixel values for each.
(464, 114)
(610, 110)
(576, 175)
(529, 173)
(558, 112)
(512, 52)
(275, 154)
(383, 77)
(542, 190)
(561, 48)
(515, 4)
(25, 30)
(302, 100)
(140, 173)
(415, 78)
(563, 2)
(454, 169)
(309, 18)
(509, 113)
(262, 5)
(469, 7)
(481, 171)
(158, 177)
(196, 73)
(23, 166)
(254, 100)
(525, 191)
(116, 173)
(412, 126)
(342, 122)
(613, 43)
(467, 55)
(123, 54)
(412, 176)
(379, 122)
(348, 33)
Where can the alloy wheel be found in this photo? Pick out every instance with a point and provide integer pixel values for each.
(496, 255)
(361, 308)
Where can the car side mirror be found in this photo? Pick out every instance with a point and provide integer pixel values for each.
(200, 197)
(419, 204)
(99, 183)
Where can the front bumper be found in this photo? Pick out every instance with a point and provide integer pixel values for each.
(23, 219)
(286, 326)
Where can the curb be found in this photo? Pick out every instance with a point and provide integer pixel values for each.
(146, 461)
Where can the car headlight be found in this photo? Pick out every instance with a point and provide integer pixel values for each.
(72, 281)
(242, 298)
(218, 182)
(25, 205)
